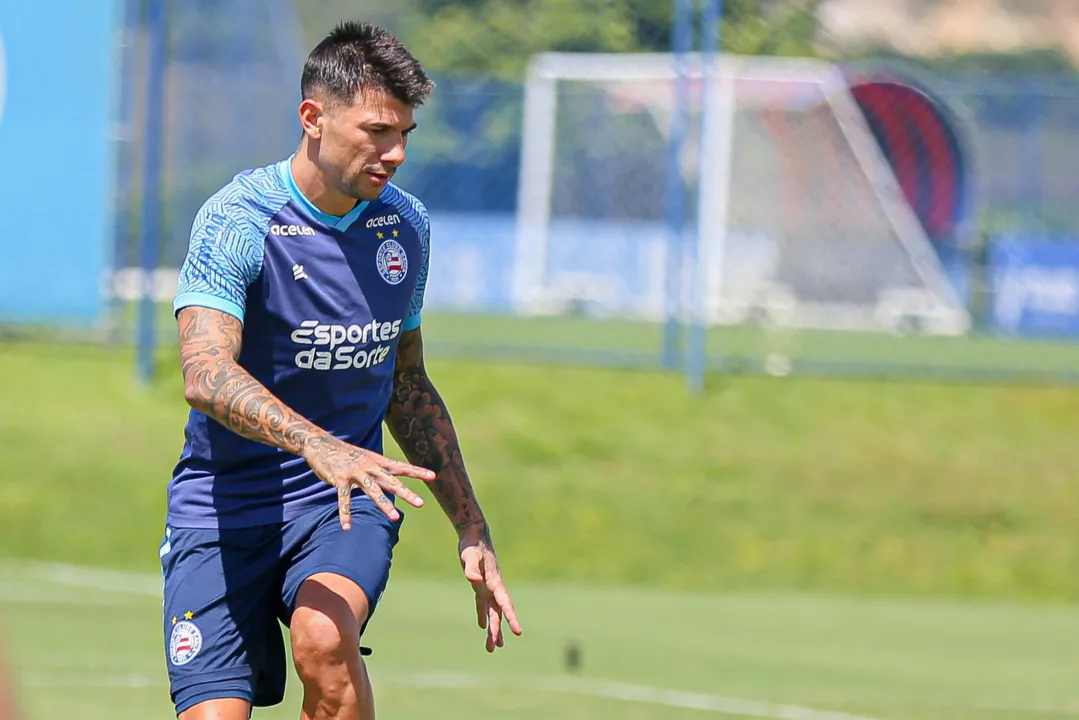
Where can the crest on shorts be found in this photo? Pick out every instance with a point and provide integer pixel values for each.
(184, 643)
(392, 262)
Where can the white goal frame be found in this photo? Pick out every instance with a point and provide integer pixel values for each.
(936, 306)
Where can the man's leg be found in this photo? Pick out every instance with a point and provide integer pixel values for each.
(223, 647)
(222, 709)
(330, 610)
(332, 588)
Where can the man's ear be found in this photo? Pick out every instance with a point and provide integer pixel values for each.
(312, 116)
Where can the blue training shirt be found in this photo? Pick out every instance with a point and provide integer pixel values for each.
(324, 301)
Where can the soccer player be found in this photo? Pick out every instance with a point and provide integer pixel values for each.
(298, 308)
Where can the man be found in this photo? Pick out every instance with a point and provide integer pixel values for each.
(299, 320)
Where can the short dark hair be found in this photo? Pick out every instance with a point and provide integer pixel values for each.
(359, 55)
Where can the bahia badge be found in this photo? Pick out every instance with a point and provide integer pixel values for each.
(185, 642)
(392, 262)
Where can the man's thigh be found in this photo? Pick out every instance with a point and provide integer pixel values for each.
(221, 603)
(363, 554)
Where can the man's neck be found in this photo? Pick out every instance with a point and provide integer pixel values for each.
(312, 183)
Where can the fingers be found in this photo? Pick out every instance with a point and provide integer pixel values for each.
(397, 467)
(499, 606)
(398, 488)
(502, 599)
(372, 486)
(346, 466)
(385, 476)
(481, 609)
(372, 490)
(493, 604)
(470, 561)
(494, 628)
(344, 505)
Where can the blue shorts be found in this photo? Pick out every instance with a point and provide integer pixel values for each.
(227, 590)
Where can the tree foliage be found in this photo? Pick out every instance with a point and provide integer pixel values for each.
(478, 52)
(497, 37)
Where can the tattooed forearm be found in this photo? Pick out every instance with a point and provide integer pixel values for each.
(216, 385)
(421, 425)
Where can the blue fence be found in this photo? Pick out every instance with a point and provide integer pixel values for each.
(1035, 286)
(56, 112)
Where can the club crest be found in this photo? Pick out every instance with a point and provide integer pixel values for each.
(184, 643)
(392, 262)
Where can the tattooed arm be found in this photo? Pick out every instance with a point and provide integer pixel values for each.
(420, 423)
(216, 385)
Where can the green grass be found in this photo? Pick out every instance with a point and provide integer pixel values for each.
(620, 477)
(79, 652)
(877, 548)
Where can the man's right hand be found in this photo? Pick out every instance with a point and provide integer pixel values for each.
(345, 466)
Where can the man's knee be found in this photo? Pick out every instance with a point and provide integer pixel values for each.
(326, 625)
(325, 631)
(322, 641)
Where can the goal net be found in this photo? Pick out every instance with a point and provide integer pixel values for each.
(794, 217)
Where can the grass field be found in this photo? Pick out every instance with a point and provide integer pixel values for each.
(85, 641)
(619, 476)
(774, 547)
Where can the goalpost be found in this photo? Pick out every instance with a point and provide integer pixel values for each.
(799, 221)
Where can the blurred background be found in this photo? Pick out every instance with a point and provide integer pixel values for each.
(759, 321)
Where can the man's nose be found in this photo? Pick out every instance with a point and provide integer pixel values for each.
(395, 155)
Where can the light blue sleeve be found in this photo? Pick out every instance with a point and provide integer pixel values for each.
(223, 259)
(423, 227)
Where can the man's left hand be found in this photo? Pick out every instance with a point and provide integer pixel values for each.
(492, 600)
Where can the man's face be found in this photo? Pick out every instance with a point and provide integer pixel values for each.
(363, 143)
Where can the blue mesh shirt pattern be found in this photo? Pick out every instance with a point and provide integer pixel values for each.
(414, 212)
(226, 247)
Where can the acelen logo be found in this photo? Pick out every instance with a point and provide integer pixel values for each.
(384, 221)
(292, 230)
